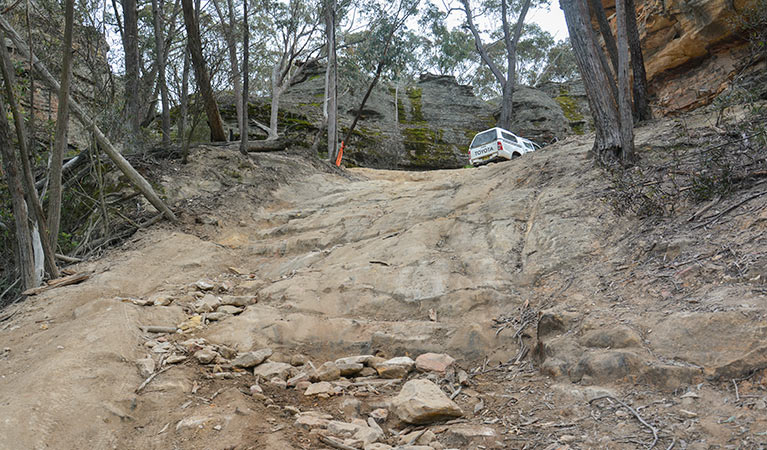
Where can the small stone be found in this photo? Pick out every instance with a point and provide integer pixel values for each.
(252, 359)
(303, 385)
(272, 369)
(192, 345)
(206, 355)
(278, 382)
(162, 300)
(687, 414)
(350, 407)
(360, 359)
(145, 366)
(298, 360)
(229, 309)
(216, 316)
(380, 414)
(323, 387)
(378, 446)
(395, 367)
(313, 419)
(417, 438)
(175, 358)
(206, 304)
(421, 401)
(204, 285)
(226, 286)
(293, 381)
(256, 389)
(292, 410)
(226, 352)
(566, 438)
(349, 370)
(367, 372)
(463, 378)
(327, 372)
(217, 427)
(239, 301)
(192, 322)
(433, 362)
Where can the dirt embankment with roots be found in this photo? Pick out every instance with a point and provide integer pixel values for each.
(571, 327)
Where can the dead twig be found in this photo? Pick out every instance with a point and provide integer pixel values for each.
(150, 378)
(737, 393)
(635, 413)
(59, 282)
(729, 210)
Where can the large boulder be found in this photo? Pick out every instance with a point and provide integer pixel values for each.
(421, 401)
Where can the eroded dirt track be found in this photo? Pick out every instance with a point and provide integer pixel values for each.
(519, 270)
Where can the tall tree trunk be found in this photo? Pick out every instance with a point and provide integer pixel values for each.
(641, 101)
(245, 76)
(130, 46)
(159, 43)
(217, 132)
(507, 103)
(276, 93)
(135, 178)
(331, 82)
(624, 88)
(598, 9)
(184, 106)
(26, 262)
(231, 43)
(36, 209)
(601, 102)
(62, 126)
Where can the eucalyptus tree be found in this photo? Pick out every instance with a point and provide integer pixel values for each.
(510, 39)
(294, 41)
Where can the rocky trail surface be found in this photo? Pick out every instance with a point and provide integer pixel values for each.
(297, 306)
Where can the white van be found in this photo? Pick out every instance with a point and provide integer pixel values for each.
(497, 143)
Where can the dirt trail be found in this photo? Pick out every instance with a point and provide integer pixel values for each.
(519, 270)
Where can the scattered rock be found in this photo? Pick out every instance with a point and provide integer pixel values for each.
(145, 366)
(216, 316)
(204, 285)
(229, 309)
(360, 359)
(278, 382)
(206, 304)
(192, 322)
(226, 352)
(293, 381)
(175, 358)
(395, 367)
(292, 410)
(367, 372)
(327, 372)
(463, 378)
(349, 370)
(298, 360)
(323, 387)
(256, 389)
(303, 385)
(206, 355)
(380, 414)
(417, 437)
(378, 446)
(192, 422)
(313, 419)
(421, 401)
(433, 362)
(251, 359)
(350, 406)
(162, 300)
(240, 301)
(269, 370)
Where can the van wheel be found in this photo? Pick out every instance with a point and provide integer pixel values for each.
(515, 155)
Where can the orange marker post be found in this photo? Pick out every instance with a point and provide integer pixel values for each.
(340, 154)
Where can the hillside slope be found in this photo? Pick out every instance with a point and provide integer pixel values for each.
(521, 271)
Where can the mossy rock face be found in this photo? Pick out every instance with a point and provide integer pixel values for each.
(426, 149)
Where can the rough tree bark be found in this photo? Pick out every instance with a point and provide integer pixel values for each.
(36, 209)
(624, 88)
(135, 178)
(331, 80)
(159, 43)
(26, 258)
(62, 126)
(184, 101)
(217, 132)
(603, 107)
(243, 102)
(130, 46)
(641, 100)
(598, 9)
(231, 44)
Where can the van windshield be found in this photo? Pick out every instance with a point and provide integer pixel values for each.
(483, 138)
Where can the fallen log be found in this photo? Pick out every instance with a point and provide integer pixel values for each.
(79, 112)
(59, 282)
(268, 145)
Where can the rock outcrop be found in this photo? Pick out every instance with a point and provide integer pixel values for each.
(692, 50)
(425, 125)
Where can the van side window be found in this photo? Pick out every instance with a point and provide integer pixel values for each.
(483, 138)
(509, 137)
